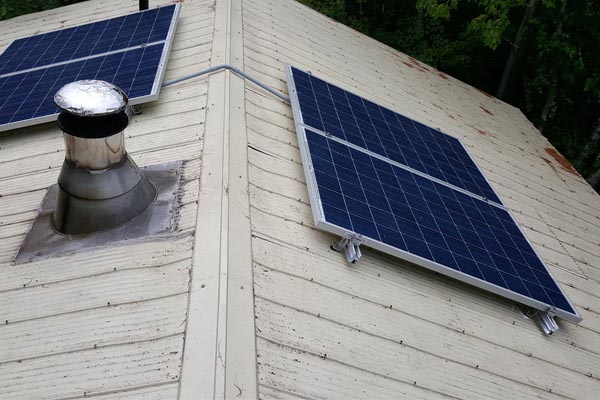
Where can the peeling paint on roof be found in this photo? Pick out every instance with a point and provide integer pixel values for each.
(562, 161)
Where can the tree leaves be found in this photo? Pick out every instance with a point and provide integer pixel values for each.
(10, 9)
(556, 82)
(435, 9)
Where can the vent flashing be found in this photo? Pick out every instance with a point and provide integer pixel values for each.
(99, 186)
(157, 221)
(101, 196)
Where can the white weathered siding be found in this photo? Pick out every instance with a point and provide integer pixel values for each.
(383, 328)
(107, 321)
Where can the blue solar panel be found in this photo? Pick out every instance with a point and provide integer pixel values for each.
(129, 51)
(365, 124)
(87, 40)
(360, 191)
(414, 214)
(30, 95)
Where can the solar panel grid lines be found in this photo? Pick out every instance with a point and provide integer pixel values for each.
(408, 212)
(125, 50)
(362, 194)
(26, 95)
(30, 95)
(87, 40)
(399, 165)
(366, 124)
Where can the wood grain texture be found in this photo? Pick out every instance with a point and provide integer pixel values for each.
(321, 320)
(106, 322)
(91, 371)
(154, 392)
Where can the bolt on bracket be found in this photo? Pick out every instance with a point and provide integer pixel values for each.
(546, 321)
(350, 247)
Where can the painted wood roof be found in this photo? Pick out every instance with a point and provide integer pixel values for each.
(247, 300)
(108, 321)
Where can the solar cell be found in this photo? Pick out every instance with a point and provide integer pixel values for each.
(129, 51)
(365, 124)
(359, 193)
(87, 40)
(411, 213)
(30, 95)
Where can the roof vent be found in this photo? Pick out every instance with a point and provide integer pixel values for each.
(100, 187)
(101, 196)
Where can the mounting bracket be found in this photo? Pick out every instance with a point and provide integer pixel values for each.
(547, 322)
(350, 247)
(132, 110)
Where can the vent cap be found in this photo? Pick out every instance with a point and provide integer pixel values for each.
(91, 98)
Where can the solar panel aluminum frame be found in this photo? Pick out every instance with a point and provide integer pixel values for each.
(164, 58)
(423, 173)
(156, 86)
(322, 224)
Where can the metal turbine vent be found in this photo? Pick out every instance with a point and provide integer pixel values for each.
(100, 187)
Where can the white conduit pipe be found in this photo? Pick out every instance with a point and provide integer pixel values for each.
(236, 71)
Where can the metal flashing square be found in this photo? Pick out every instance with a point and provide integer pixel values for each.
(158, 220)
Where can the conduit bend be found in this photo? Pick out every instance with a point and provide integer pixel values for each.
(236, 71)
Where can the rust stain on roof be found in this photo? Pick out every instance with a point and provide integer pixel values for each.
(549, 163)
(485, 109)
(562, 161)
(418, 64)
(486, 94)
(414, 63)
(484, 133)
(394, 53)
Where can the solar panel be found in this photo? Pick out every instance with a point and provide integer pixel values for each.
(30, 95)
(362, 194)
(130, 51)
(86, 40)
(363, 123)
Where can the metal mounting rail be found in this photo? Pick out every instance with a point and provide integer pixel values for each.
(350, 247)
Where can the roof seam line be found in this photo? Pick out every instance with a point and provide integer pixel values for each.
(129, 389)
(95, 347)
(96, 307)
(353, 366)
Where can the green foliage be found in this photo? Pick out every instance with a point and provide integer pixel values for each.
(437, 10)
(557, 82)
(14, 8)
(489, 25)
(561, 85)
(490, 29)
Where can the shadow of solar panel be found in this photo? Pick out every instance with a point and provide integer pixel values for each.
(360, 189)
(363, 123)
